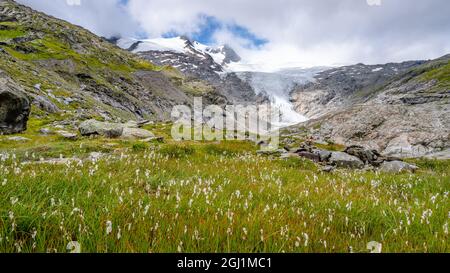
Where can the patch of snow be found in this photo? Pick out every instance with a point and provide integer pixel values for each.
(176, 44)
(378, 69)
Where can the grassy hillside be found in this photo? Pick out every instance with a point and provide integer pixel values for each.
(437, 71)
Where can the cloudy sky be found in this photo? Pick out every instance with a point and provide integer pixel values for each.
(277, 32)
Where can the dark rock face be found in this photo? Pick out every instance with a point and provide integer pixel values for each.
(14, 107)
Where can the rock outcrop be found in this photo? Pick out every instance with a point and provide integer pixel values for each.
(14, 106)
(353, 157)
(397, 167)
(127, 130)
(345, 160)
(106, 129)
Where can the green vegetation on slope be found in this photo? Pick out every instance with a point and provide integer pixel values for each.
(37, 50)
(437, 70)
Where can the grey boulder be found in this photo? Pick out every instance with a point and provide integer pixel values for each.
(106, 129)
(114, 130)
(136, 133)
(344, 160)
(397, 167)
(366, 155)
(67, 135)
(18, 139)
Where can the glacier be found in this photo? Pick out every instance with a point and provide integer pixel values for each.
(276, 85)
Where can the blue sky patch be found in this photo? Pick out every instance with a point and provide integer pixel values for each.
(211, 24)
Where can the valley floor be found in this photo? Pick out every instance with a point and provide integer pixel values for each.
(209, 197)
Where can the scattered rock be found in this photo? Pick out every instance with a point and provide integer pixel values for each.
(344, 160)
(54, 161)
(136, 124)
(392, 158)
(95, 156)
(278, 152)
(328, 169)
(311, 156)
(67, 135)
(289, 155)
(94, 127)
(151, 139)
(129, 130)
(323, 155)
(397, 167)
(18, 139)
(45, 131)
(68, 101)
(136, 133)
(45, 104)
(371, 157)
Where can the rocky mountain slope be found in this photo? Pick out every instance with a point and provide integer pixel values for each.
(198, 61)
(341, 87)
(400, 109)
(70, 74)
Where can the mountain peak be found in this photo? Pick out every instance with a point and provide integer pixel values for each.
(222, 55)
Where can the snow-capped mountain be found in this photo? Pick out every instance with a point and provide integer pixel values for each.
(195, 60)
(222, 67)
(222, 55)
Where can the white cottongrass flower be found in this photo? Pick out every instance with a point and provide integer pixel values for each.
(108, 227)
(306, 239)
(180, 247)
(73, 247)
(374, 247)
(14, 200)
(119, 234)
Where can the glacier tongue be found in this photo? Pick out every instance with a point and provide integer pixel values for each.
(278, 87)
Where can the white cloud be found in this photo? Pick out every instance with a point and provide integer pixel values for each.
(309, 32)
(103, 17)
(314, 32)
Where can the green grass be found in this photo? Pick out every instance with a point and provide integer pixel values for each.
(211, 197)
(442, 75)
(8, 33)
